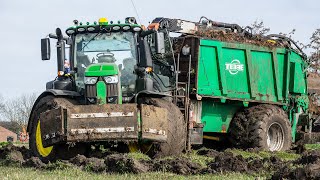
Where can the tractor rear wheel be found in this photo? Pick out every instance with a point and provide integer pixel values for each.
(177, 131)
(263, 126)
(59, 151)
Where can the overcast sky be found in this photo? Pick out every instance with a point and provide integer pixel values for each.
(24, 23)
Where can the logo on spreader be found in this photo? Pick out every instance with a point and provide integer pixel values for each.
(234, 67)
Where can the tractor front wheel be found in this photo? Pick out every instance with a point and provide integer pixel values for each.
(177, 130)
(58, 151)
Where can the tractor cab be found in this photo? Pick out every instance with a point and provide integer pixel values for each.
(104, 55)
(105, 62)
(109, 62)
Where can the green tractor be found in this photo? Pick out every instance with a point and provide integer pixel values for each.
(137, 89)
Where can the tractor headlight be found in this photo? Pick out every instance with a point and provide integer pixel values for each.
(70, 31)
(126, 28)
(116, 28)
(136, 29)
(90, 80)
(111, 79)
(81, 29)
(91, 28)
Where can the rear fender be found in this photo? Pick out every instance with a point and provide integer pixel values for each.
(154, 123)
(151, 94)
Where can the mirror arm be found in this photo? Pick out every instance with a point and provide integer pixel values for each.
(146, 33)
(53, 36)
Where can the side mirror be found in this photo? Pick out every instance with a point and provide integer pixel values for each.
(160, 45)
(45, 49)
(145, 56)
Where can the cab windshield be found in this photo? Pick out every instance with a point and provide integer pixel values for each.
(115, 47)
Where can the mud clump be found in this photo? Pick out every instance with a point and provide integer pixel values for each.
(307, 167)
(34, 162)
(309, 157)
(310, 171)
(180, 165)
(208, 152)
(93, 164)
(100, 154)
(120, 163)
(13, 154)
(298, 147)
(256, 165)
(226, 162)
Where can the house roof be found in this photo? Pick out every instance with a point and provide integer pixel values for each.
(4, 130)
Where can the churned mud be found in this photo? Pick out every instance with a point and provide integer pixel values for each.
(307, 166)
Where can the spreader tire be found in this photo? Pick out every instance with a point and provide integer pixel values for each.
(263, 126)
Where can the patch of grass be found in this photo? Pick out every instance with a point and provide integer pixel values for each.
(244, 154)
(285, 156)
(167, 158)
(20, 144)
(75, 173)
(58, 165)
(4, 144)
(195, 158)
(312, 146)
(138, 156)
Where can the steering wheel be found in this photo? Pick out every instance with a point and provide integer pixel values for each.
(105, 57)
(105, 54)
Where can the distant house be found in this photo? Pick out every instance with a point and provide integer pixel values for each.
(7, 135)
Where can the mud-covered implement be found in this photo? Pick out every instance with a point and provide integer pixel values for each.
(89, 123)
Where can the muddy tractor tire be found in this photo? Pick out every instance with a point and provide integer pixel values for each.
(59, 151)
(263, 126)
(177, 130)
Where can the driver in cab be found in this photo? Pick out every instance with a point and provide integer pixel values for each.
(106, 57)
(127, 76)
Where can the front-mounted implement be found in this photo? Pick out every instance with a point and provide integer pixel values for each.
(88, 123)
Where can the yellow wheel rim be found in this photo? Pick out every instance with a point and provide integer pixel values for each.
(44, 152)
(135, 147)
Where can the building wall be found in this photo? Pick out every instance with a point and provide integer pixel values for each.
(5, 133)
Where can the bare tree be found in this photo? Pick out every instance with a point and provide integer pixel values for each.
(314, 58)
(258, 28)
(1, 103)
(290, 34)
(18, 110)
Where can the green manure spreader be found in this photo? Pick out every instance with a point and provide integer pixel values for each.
(164, 88)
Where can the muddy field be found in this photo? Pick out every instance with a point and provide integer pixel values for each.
(296, 164)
